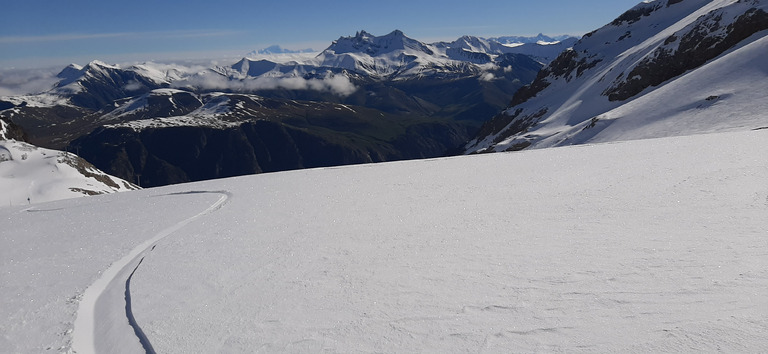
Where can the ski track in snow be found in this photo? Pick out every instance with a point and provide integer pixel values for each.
(84, 338)
(129, 313)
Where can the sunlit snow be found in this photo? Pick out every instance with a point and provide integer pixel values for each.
(652, 245)
(30, 174)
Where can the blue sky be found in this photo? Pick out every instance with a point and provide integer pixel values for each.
(56, 32)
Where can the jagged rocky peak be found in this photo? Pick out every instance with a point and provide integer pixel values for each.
(367, 43)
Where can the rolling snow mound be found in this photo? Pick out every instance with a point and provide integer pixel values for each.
(29, 174)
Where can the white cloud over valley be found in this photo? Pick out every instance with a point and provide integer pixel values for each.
(337, 84)
(20, 82)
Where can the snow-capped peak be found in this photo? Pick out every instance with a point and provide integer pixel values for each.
(98, 64)
(69, 74)
(364, 42)
(75, 72)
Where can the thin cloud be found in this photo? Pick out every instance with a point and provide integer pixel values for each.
(125, 35)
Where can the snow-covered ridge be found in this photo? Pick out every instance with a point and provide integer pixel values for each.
(29, 174)
(135, 105)
(540, 38)
(215, 113)
(662, 68)
(397, 56)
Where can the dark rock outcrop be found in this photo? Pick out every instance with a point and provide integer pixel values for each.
(9, 130)
(694, 48)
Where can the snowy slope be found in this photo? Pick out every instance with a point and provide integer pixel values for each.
(4, 130)
(29, 174)
(663, 68)
(214, 113)
(644, 246)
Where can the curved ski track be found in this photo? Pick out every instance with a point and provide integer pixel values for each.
(83, 335)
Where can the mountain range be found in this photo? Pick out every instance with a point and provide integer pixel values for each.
(662, 68)
(364, 99)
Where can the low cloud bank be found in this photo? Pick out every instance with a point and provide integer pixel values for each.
(28, 81)
(336, 84)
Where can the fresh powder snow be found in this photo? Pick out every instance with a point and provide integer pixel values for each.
(654, 245)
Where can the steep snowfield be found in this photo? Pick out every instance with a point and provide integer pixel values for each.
(728, 93)
(29, 174)
(647, 74)
(654, 245)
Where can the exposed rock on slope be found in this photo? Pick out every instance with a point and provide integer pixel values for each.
(29, 174)
(661, 68)
(10, 131)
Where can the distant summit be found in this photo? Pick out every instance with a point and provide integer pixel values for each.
(540, 38)
(368, 44)
(276, 49)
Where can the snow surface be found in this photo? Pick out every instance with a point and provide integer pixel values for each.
(654, 245)
(726, 93)
(690, 104)
(30, 174)
(38, 100)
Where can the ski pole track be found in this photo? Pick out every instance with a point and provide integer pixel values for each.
(83, 334)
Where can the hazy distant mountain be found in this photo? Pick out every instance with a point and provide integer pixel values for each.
(543, 52)
(540, 38)
(276, 49)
